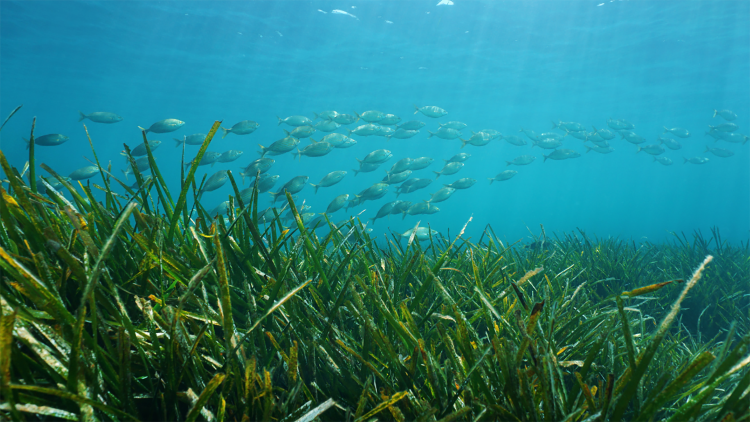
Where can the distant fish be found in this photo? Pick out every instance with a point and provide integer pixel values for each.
(140, 150)
(733, 137)
(515, 140)
(568, 126)
(244, 127)
(449, 168)
(389, 120)
(503, 175)
(295, 121)
(300, 132)
(719, 152)
(385, 210)
(522, 160)
(279, 147)
(194, 139)
(216, 181)
(670, 143)
(459, 158)
(724, 127)
(420, 163)
(371, 116)
(562, 154)
(51, 140)
(293, 186)
(654, 149)
(229, 156)
(423, 233)
(696, 160)
(377, 157)
(664, 160)
(677, 131)
(316, 149)
(84, 173)
(431, 111)
(464, 183)
(442, 194)
(421, 208)
(345, 119)
(444, 3)
(600, 150)
(100, 117)
(411, 125)
(726, 114)
(445, 133)
(337, 203)
(209, 157)
(403, 134)
(260, 165)
(329, 179)
(164, 126)
(454, 125)
(341, 12)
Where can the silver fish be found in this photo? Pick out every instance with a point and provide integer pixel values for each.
(376, 157)
(317, 149)
(345, 119)
(401, 165)
(454, 125)
(209, 157)
(632, 137)
(229, 156)
(279, 147)
(261, 164)
(244, 127)
(654, 149)
(301, 131)
(194, 139)
(140, 150)
(100, 117)
(329, 179)
(670, 143)
(51, 140)
(522, 160)
(562, 154)
(664, 160)
(600, 150)
(389, 120)
(403, 134)
(449, 168)
(411, 125)
(726, 114)
(478, 139)
(431, 111)
(293, 186)
(422, 233)
(421, 208)
(327, 126)
(568, 126)
(371, 116)
(445, 133)
(677, 131)
(515, 140)
(459, 158)
(216, 181)
(464, 183)
(365, 130)
(385, 210)
(719, 152)
(393, 178)
(547, 143)
(337, 203)
(420, 163)
(84, 173)
(696, 160)
(164, 126)
(605, 134)
(442, 194)
(503, 175)
(295, 121)
(366, 168)
(733, 137)
(724, 127)
(530, 134)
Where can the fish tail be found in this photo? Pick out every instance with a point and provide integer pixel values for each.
(350, 132)
(554, 125)
(297, 154)
(715, 112)
(83, 116)
(281, 121)
(387, 138)
(146, 130)
(686, 160)
(639, 149)
(178, 142)
(243, 175)
(707, 149)
(463, 143)
(490, 179)
(315, 187)
(431, 134)
(438, 174)
(509, 163)
(356, 172)
(28, 143)
(545, 157)
(665, 130)
(358, 116)
(417, 109)
(125, 173)
(595, 129)
(588, 149)
(262, 151)
(226, 132)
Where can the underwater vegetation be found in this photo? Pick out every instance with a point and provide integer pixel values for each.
(143, 307)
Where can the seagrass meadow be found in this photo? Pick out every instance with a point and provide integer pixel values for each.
(145, 307)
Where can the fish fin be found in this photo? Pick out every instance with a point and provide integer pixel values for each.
(431, 134)
(665, 130)
(595, 129)
(179, 142)
(545, 157)
(262, 151)
(417, 109)
(707, 149)
(313, 141)
(489, 178)
(83, 116)
(554, 125)
(226, 132)
(358, 116)
(126, 174)
(314, 185)
(28, 143)
(387, 138)
(281, 121)
(350, 132)
(686, 160)
(639, 149)
(438, 174)
(588, 149)
(715, 112)
(463, 143)
(146, 130)
(356, 172)
(297, 154)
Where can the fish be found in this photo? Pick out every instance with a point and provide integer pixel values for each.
(317, 149)
(194, 139)
(420, 163)
(522, 160)
(423, 233)
(215, 181)
(568, 126)
(221, 209)
(337, 203)
(100, 117)
(442, 194)
(301, 210)
(530, 134)
(696, 160)
(325, 115)
(365, 130)
(140, 150)
(266, 182)
(494, 134)
(454, 125)
(411, 125)
(385, 210)
(412, 185)
(600, 150)
(632, 137)
(345, 119)
(726, 114)
(669, 143)
(385, 131)
(463, 183)
(334, 139)
(260, 165)
(51, 140)
(724, 127)
(244, 127)
(601, 144)
(403, 134)
(449, 168)
(393, 178)
(478, 139)
(377, 157)
(229, 156)
(677, 131)
(459, 158)
(445, 133)
(515, 140)
(341, 12)
(605, 134)
(733, 137)
(620, 124)
(146, 179)
(141, 164)
(279, 147)
(562, 154)
(401, 165)
(389, 120)
(376, 191)
(371, 116)
(326, 126)
(548, 143)
(84, 173)
(400, 206)
(293, 186)
(348, 142)
(329, 179)
(664, 160)
(582, 135)
(430, 111)
(295, 121)
(503, 175)
(654, 149)
(550, 135)
(366, 168)
(301, 132)
(209, 157)
(421, 208)
(719, 152)
(164, 126)
(52, 182)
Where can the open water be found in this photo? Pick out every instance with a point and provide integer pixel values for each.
(499, 65)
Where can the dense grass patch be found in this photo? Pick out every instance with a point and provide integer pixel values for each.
(139, 307)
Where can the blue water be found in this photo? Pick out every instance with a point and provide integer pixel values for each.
(492, 65)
